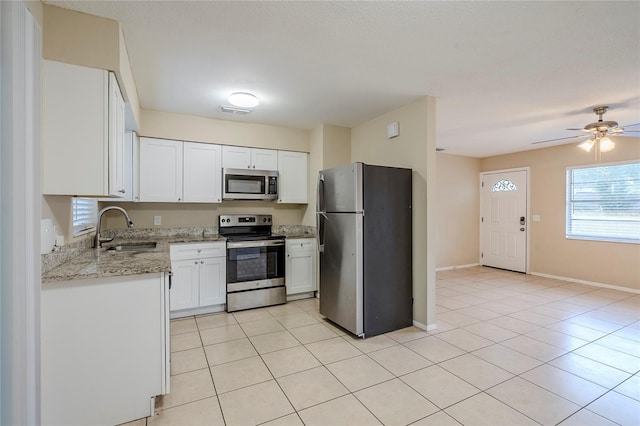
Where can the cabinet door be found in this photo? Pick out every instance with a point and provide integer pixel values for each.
(75, 110)
(160, 170)
(236, 157)
(292, 177)
(202, 173)
(116, 139)
(184, 284)
(213, 278)
(300, 268)
(264, 159)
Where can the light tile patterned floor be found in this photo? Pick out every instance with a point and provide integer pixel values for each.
(510, 349)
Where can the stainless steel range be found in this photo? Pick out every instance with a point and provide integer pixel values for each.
(255, 262)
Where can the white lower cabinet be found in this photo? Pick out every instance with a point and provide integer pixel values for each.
(104, 349)
(300, 266)
(198, 283)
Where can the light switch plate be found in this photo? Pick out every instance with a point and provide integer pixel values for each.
(536, 218)
(157, 220)
(393, 130)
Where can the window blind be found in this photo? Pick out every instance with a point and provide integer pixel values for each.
(85, 211)
(603, 203)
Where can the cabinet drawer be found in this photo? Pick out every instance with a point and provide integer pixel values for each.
(197, 250)
(301, 244)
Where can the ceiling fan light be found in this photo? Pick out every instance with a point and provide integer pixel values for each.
(587, 145)
(606, 145)
(243, 100)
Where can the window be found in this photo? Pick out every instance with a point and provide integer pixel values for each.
(603, 203)
(85, 212)
(504, 185)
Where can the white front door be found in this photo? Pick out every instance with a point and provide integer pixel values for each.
(503, 210)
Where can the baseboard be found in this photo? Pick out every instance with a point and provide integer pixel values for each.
(299, 296)
(197, 311)
(424, 327)
(591, 283)
(451, 268)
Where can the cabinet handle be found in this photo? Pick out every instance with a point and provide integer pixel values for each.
(179, 199)
(122, 191)
(202, 262)
(195, 263)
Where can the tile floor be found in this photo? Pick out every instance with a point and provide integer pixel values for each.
(510, 349)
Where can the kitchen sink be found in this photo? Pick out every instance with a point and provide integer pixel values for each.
(148, 246)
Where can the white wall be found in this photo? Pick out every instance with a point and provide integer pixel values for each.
(458, 201)
(415, 149)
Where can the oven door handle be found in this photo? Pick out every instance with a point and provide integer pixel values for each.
(247, 244)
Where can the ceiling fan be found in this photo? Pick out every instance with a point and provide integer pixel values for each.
(600, 132)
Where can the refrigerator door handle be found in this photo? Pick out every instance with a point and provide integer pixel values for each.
(320, 193)
(320, 218)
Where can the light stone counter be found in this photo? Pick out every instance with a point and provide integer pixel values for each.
(80, 261)
(98, 263)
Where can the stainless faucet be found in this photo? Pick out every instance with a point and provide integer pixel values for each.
(97, 239)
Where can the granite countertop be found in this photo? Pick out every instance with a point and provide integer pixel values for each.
(98, 263)
(91, 263)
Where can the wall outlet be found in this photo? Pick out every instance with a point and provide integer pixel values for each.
(536, 218)
(157, 220)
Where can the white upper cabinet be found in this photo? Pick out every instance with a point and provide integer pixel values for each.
(176, 171)
(160, 170)
(264, 159)
(237, 157)
(202, 173)
(292, 177)
(82, 131)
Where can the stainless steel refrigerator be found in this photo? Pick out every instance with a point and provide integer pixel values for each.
(364, 239)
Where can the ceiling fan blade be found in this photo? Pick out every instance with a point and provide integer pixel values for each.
(579, 130)
(631, 125)
(558, 139)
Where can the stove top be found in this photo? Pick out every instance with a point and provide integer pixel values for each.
(253, 237)
(246, 227)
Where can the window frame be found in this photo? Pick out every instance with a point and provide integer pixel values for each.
(89, 223)
(569, 206)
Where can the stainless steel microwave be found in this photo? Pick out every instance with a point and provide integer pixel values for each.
(249, 184)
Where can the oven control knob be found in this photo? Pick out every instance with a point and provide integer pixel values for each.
(264, 219)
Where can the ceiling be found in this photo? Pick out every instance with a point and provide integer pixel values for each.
(505, 74)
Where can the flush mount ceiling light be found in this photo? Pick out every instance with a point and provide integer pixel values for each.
(243, 100)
